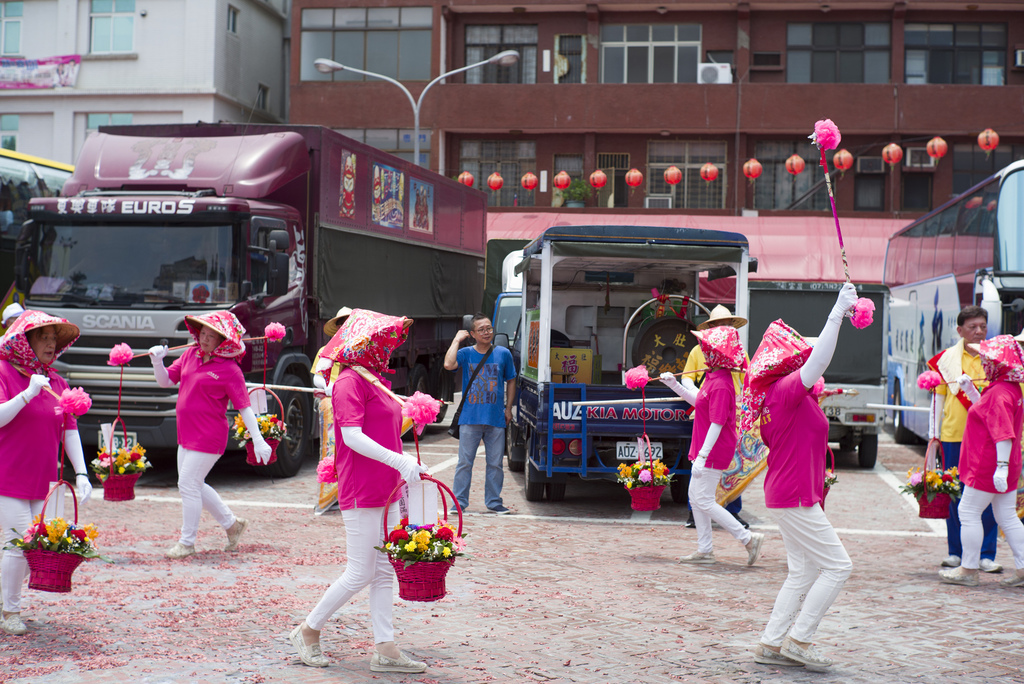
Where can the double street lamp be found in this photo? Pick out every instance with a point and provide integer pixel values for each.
(505, 58)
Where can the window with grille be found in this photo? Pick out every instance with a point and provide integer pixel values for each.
(393, 41)
(10, 27)
(847, 52)
(693, 192)
(483, 42)
(662, 53)
(570, 59)
(112, 24)
(777, 188)
(615, 193)
(510, 158)
(955, 53)
(971, 164)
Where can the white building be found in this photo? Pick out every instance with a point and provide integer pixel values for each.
(141, 61)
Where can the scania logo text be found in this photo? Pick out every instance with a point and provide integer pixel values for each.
(118, 322)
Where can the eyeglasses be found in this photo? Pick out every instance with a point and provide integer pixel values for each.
(488, 329)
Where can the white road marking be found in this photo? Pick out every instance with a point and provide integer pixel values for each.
(938, 527)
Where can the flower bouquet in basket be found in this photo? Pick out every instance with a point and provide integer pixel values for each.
(272, 428)
(119, 472)
(54, 549)
(645, 481)
(933, 489)
(421, 556)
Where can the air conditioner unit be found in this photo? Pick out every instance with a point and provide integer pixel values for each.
(1018, 58)
(917, 158)
(658, 202)
(710, 72)
(870, 165)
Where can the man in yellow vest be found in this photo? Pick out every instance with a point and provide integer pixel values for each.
(695, 362)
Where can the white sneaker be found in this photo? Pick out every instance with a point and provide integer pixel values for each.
(807, 655)
(766, 656)
(179, 551)
(241, 524)
(403, 663)
(754, 547)
(987, 565)
(950, 562)
(12, 624)
(699, 557)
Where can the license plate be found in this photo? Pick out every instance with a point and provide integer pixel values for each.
(119, 442)
(626, 451)
(833, 411)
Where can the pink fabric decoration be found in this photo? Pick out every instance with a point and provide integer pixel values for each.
(225, 324)
(75, 401)
(1002, 359)
(782, 351)
(929, 380)
(274, 332)
(637, 378)
(826, 135)
(422, 409)
(819, 387)
(863, 313)
(721, 347)
(120, 355)
(326, 473)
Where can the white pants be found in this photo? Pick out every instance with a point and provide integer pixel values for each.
(1004, 507)
(193, 467)
(818, 567)
(366, 567)
(16, 514)
(705, 509)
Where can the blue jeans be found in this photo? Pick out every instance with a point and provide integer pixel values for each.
(494, 448)
(951, 450)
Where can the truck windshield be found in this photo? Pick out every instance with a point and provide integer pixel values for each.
(135, 265)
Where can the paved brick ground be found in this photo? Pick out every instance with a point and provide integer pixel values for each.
(577, 592)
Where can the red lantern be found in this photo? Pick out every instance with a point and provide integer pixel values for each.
(988, 140)
(598, 179)
(673, 175)
(795, 164)
(529, 181)
(709, 172)
(842, 160)
(936, 148)
(495, 181)
(466, 178)
(752, 169)
(561, 180)
(634, 178)
(892, 154)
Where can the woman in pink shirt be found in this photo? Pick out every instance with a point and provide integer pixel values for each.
(714, 440)
(370, 464)
(32, 428)
(990, 460)
(210, 376)
(777, 395)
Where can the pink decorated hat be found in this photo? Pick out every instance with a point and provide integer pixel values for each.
(782, 351)
(14, 345)
(367, 338)
(721, 347)
(225, 324)
(1002, 359)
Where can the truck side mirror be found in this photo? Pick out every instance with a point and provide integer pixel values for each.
(22, 249)
(277, 278)
(467, 322)
(501, 340)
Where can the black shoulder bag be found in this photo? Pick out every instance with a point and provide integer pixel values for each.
(454, 429)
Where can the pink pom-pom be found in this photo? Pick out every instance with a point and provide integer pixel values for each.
(326, 473)
(929, 380)
(819, 387)
(274, 332)
(826, 134)
(75, 401)
(120, 355)
(422, 409)
(637, 378)
(863, 313)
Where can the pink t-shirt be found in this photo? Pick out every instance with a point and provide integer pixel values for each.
(795, 430)
(364, 482)
(203, 399)
(30, 444)
(996, 417)
(716, 403)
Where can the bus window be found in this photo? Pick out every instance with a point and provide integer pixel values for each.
(1010, 214)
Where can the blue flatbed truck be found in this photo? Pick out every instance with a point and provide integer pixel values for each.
(587, 315)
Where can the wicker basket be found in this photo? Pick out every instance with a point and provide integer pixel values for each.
(646, 498)
(120, 487)
(51, 570)
(937, 508)
(421, 581)
(250, 452)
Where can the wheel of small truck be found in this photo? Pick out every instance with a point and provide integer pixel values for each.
(678, 488)
(417, 381)
(867, 452)
(534, 489)
(515, 449)
(298, 416)
(555, 491)
(900, 432)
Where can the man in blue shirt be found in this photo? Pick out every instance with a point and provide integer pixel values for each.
(487, 405)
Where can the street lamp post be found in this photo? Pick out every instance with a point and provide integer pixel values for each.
(505, 58)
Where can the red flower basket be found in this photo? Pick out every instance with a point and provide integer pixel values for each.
(120, 487)
(646, 498)
(938, 507)
(824, 494)
(250, 452)
(51, 570)
(423, 580)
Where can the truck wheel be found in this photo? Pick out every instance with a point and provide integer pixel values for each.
(901, 434)
(298, 416)
(556, 491)
(867, 452)
(534, 489)
(515, 450)
(678, 488)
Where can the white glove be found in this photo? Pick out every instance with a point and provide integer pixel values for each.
(690, 396)
(320, 386)
(844, 302)
(329, 390)
(821, 355)
(157, 353)
(698, 466)
(73, 447)
(261, 450)
(156, 357)
(35, 385)
(968, 388)
(358, 442)
(1002, 465)
(83, 488)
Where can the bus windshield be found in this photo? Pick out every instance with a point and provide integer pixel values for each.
(21, 178)
(1010, 221)
(131, 265)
